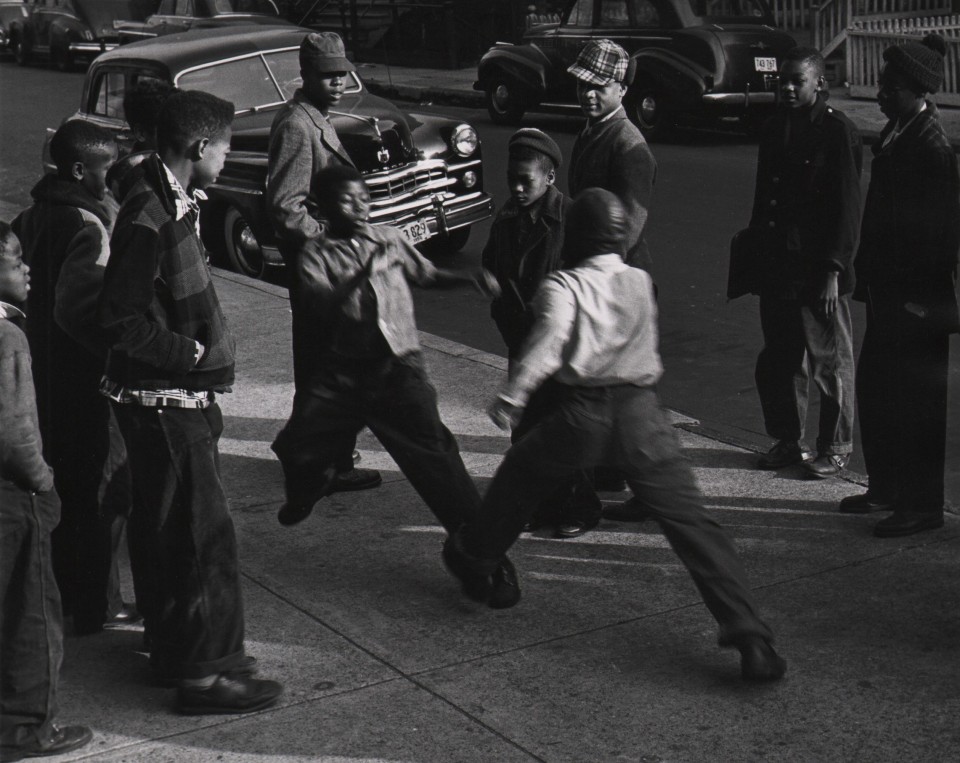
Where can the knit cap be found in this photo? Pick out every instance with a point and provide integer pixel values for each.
(536, 140)
(920, 61)
(596, 224)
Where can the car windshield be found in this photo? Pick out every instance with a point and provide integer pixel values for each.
(100, 14)
(729, 10)
(265, 7)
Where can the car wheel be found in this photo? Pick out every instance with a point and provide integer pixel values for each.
(20, 51)
(503, 102)
(649, 110)
(446, 245)
(62, 59)
(243, 251)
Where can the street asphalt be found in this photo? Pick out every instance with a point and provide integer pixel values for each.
(610, 656)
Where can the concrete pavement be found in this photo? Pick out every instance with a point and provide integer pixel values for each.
(610, 656)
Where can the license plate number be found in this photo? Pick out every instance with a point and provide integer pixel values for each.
(416, 231)
(765, 64)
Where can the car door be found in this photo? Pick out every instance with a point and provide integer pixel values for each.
(563, 47)
(42, 17)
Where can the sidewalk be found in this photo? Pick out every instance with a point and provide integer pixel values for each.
(610, 656)
(455, 87)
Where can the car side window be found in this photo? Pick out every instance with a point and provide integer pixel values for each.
(167, 7)
(645, 13)
(613, 13)
(184, 8)
(285, 67)
(109, 90)
(581, 14)
(244, 82)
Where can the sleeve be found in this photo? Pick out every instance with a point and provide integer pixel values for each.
(126, 300)
(633, 171)
(79, 285)
(843, 198)
(312, 283)
(289, 173)
(20, 444)
(941, 210)
(542, 353)
(416, 267)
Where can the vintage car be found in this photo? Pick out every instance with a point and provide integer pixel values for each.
(693, 59)
(11, 13)
(68, 30)
(174, 16)
(424, 172)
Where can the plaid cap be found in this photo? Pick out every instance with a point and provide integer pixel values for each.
(600, 63)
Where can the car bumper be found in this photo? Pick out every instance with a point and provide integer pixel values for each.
(91, 48)
(739, 100)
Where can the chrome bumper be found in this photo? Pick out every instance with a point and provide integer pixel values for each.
(91, 47)
(740, 99)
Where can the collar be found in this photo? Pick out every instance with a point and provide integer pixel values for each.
(610, 261)
(549, 205)
(184, 202)
(10, 311)
(611, 115)
(893, 131)
(310, 107)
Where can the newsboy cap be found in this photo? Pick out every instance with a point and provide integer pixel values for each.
(920, 61)
(601, 62)
(323, 52)
(536, 140)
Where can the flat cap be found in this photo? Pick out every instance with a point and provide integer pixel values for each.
(536, 140)
(323, 52)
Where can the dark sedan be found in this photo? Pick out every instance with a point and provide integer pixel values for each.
(181, 15)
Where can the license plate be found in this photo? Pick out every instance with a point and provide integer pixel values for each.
(416, 232)
(765, 64)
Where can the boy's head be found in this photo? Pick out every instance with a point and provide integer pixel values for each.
(195, 126)
(603, 72)
(534, 158)
(324, 66)
(596, 224)
(14, 273)
(911, 71)
(342, 197)
(801, 78)
(84, 153)
(141, 108)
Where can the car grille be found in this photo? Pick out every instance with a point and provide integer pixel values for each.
(407, 187)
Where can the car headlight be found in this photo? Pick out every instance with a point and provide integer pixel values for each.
(464, 140)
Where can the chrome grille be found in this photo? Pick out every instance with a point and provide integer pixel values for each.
(423, 178)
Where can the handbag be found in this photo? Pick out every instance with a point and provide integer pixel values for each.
(745, 273)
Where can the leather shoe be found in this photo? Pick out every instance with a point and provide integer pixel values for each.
(475, 586)
(628, 511)
(574, 528)
(903, 522)
(291, 514)
(828, 465)
(865, 503)
(783, 453)
(62, 740)
(505, 591)
(356, 479)
(246, 666)
(759, 661)
(230, 693)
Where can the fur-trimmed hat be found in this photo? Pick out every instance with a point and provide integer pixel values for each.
(323, 52)
(536, 140)
(921, 62)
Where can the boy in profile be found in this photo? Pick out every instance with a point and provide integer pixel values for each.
(141, 109)
(525, 244)
(171, 352)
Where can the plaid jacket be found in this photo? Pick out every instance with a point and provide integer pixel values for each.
(158, 299)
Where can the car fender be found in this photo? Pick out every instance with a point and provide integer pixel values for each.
(64, 31)
(684, 81)
(526, 65)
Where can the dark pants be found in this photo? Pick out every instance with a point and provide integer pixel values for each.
(623, 426)
(902, 377)
(394, 398)
(182, 538)
(31, 625)
(796, 338)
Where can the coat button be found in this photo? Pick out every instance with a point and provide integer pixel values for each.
(773, 202)
(772, 224)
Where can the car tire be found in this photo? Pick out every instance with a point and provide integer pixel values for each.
(503, 102)
(241, 247)
(63, 59)
(21, 52)
(446, 245)
(649, 110)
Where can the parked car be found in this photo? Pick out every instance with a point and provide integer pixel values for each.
(11, 13)
(180, 15)
(424, 172)
(693, 58)
(68, 30)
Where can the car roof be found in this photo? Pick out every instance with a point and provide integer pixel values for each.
(200, 46)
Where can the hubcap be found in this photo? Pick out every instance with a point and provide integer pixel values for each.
(648, 109)
(501, 97)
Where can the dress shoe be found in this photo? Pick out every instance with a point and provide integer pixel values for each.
(229, 693)
(291, 514)
(505, 591)
(356, 479)
(628, 511)
(574, 528)
(865, 503)
(128, 615)
(759, 661)
(62, 740)
(246, 666)
(903, 522)
(824, 466)
(475, 586)
(783, 453)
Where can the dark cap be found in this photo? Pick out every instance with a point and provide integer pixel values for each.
(921, 62)
(536, 140)
(323, 52)
(596, 224)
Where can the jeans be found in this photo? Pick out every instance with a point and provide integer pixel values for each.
(795, 337)
(182, 538)
(31, 622)
(623, 426)
(396, 401)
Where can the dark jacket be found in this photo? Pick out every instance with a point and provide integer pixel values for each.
(520, 266)
(807, 201)
(614, 155)
(158, 298)
(911, 221)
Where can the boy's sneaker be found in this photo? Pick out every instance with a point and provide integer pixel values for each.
(230, 693)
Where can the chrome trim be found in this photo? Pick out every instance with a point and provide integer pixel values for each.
(463, 165)
(561, 105)
(432, 185)
(421, 166)
(91, 47)
(739, 99)
(450, 202)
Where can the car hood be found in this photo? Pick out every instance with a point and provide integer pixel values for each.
(100, 14)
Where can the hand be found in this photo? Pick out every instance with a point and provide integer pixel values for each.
(486, 283)
(198, 353)
(503, 414)
(829, 295)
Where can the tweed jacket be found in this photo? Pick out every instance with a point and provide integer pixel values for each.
(158, 299)
(614, 155)
(520, 266)
(807, 201)
(302, 142)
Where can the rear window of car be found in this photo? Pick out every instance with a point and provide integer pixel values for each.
(729, 10)
(265, 7)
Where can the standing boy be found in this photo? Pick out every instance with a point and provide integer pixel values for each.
(595, 336)
(807, 208)
(525, 244)
(171, 353)
(31, 624)
(303, 142)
